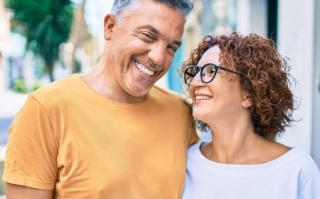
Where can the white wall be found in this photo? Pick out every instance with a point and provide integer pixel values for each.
(315, 150)
(295, 40)
(252, 17)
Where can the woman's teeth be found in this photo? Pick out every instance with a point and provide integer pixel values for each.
(203, 97)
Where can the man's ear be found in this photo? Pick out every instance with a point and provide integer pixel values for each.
(109, 24)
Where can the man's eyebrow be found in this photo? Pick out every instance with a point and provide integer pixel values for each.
(157, 32)
(152, 29)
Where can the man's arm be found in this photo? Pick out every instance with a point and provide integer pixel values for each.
(23, 192)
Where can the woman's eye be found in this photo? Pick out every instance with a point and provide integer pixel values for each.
(209, 71)
(212, 71)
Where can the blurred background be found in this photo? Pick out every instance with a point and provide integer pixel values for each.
(43, 41)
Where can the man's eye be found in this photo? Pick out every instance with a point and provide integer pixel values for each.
(147, 37)
(172, 49)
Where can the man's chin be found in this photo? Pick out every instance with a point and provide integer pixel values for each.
(139, 91)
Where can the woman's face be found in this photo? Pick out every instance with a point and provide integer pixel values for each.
(220, 100)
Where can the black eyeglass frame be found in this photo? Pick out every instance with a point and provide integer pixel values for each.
(199, 68)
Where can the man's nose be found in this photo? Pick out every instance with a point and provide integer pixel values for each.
(158, 54)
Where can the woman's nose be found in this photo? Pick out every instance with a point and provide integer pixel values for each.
(196, 81)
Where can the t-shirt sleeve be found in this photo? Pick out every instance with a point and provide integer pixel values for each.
(32, 148)
(309, 180)
(193, 136)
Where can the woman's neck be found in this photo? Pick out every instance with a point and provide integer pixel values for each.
(242, 148)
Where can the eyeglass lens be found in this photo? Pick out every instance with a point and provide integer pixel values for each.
(207, 73)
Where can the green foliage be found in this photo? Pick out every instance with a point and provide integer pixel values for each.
(45, 23)
(36, 85)
(20, 86)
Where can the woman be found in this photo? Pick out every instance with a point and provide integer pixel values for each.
(239, 86)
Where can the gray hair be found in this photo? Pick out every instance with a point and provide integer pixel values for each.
(120, 6)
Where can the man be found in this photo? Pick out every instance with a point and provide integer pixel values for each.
(109, 133)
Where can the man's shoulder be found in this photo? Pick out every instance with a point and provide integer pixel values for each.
(169, 97)
(164, 92)
(159, 92)
(58, 88)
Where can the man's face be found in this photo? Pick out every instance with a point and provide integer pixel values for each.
(142, 46)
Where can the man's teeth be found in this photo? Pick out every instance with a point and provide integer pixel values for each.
(144, 70)
(202, 97)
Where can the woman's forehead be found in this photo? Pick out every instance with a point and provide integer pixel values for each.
(210, 56)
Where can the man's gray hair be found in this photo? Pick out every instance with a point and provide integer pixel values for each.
(121, 7)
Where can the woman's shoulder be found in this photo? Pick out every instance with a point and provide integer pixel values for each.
(194, 152)
(303, 159)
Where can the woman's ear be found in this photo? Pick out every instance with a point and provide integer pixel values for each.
(247, 102)
(109, 24)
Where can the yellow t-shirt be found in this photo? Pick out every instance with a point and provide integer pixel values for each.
(69, 138)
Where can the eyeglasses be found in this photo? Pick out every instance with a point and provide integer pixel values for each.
(207, 72)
